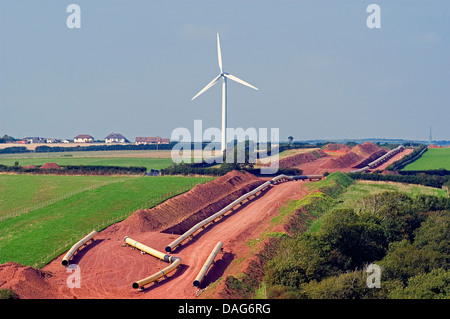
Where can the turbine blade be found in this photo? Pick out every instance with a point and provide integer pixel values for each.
(210, 84)
(238, 80)
(219, 53)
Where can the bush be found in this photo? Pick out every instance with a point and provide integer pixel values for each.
(7, 294)
(351, 285)
(404, 261)
(433, 285)
(360, 241)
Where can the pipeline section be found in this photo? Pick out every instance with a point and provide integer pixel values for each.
(278, 179)
(207, 264)
(380, 159)
(174, 262)
(74, 249)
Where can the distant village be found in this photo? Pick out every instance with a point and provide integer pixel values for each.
(113, 138)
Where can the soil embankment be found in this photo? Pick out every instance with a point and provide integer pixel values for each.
(336, 157)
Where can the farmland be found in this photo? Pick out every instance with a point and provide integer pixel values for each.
(433, 158)
(37, 236)
(116, 159)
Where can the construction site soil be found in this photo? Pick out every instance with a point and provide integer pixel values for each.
(108, 267)
(318, 162)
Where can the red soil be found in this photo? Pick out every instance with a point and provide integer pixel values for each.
(301, 158)
(50, 166)
(336, 147)
(201, 201)
(26, 281)
(108, 268)
(356, 157)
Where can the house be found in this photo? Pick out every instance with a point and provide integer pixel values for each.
(116, 138)
(152, 140)
(83, 138)
(32, 140)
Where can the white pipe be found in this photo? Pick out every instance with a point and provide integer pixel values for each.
(279, 178)
(75, 247)
(175, 262)
(207, 264)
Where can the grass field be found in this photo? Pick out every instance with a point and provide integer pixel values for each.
(433, 158)
(149, 163)
(25, 192)
(361, 189)
(36, 237)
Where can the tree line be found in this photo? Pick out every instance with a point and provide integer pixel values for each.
(77, 170)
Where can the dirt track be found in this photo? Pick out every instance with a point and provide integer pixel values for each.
(108, 268)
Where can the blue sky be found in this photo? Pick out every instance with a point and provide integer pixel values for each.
(133, 67)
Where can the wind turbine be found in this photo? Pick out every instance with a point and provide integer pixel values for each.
(224, 77)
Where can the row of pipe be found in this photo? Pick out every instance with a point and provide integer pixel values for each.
(174, 262)
(278, 179)
(74, 249)
(380, 159)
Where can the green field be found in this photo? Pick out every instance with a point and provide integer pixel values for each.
(361, 189)
(149, 163)
(34, 238)
(25, 192)
(433, 158)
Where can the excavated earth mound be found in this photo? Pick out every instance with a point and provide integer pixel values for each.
(337, 147)
(301, 158)
(25, 280)
(50, 166)
(178, 214)
(359, 156)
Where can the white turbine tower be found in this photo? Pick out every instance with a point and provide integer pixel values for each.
(224, 77)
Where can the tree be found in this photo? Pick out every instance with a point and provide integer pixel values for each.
(243, 156)
(361, 241)
(404, 261)
(290, 139)
(300, 261)
(434, 233)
